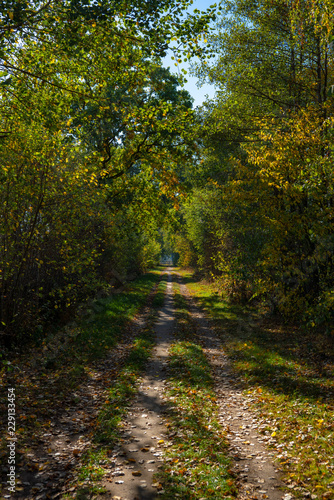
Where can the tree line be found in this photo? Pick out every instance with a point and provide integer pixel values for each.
(93, 132)
(105, 164)
(259, 218)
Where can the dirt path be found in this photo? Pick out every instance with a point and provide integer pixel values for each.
(133, 463)
(143, 435)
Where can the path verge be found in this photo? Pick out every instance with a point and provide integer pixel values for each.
(257, 475)
(58, 404)
(288, 380)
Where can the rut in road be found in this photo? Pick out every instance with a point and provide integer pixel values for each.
(144, 433)
(258, 475)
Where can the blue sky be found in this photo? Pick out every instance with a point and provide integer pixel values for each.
(198, 93)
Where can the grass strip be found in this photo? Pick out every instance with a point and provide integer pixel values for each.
(289, 375)
(159, 296)
(197, 465)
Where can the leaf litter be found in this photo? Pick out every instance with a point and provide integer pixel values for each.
(54, 452)
(257, 475)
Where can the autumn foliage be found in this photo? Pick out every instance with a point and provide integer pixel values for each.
(93, 132)
(260, 217)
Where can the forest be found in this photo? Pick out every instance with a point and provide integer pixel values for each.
(108, 171)
(104, 163)
(94, 136)
(259, 216)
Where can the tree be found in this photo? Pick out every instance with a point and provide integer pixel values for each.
(94, 132)
(268, 139)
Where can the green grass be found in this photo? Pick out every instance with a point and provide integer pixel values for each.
(105, 324)
(290, 378)
(120, 394)
(197, 465)
(159, 297)
(124, 388)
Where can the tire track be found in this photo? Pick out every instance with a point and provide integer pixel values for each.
(258, 475)
(143, 436)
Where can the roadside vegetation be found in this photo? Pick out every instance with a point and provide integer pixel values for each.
(289, 375)
(119, 396)
(51, 372)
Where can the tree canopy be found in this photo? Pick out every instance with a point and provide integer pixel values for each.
(101, 151)
(94, 132)
(266, 191)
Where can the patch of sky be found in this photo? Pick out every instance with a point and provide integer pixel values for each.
(200, 92)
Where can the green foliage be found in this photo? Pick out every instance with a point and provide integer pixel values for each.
(93, 135)
(260, 213)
